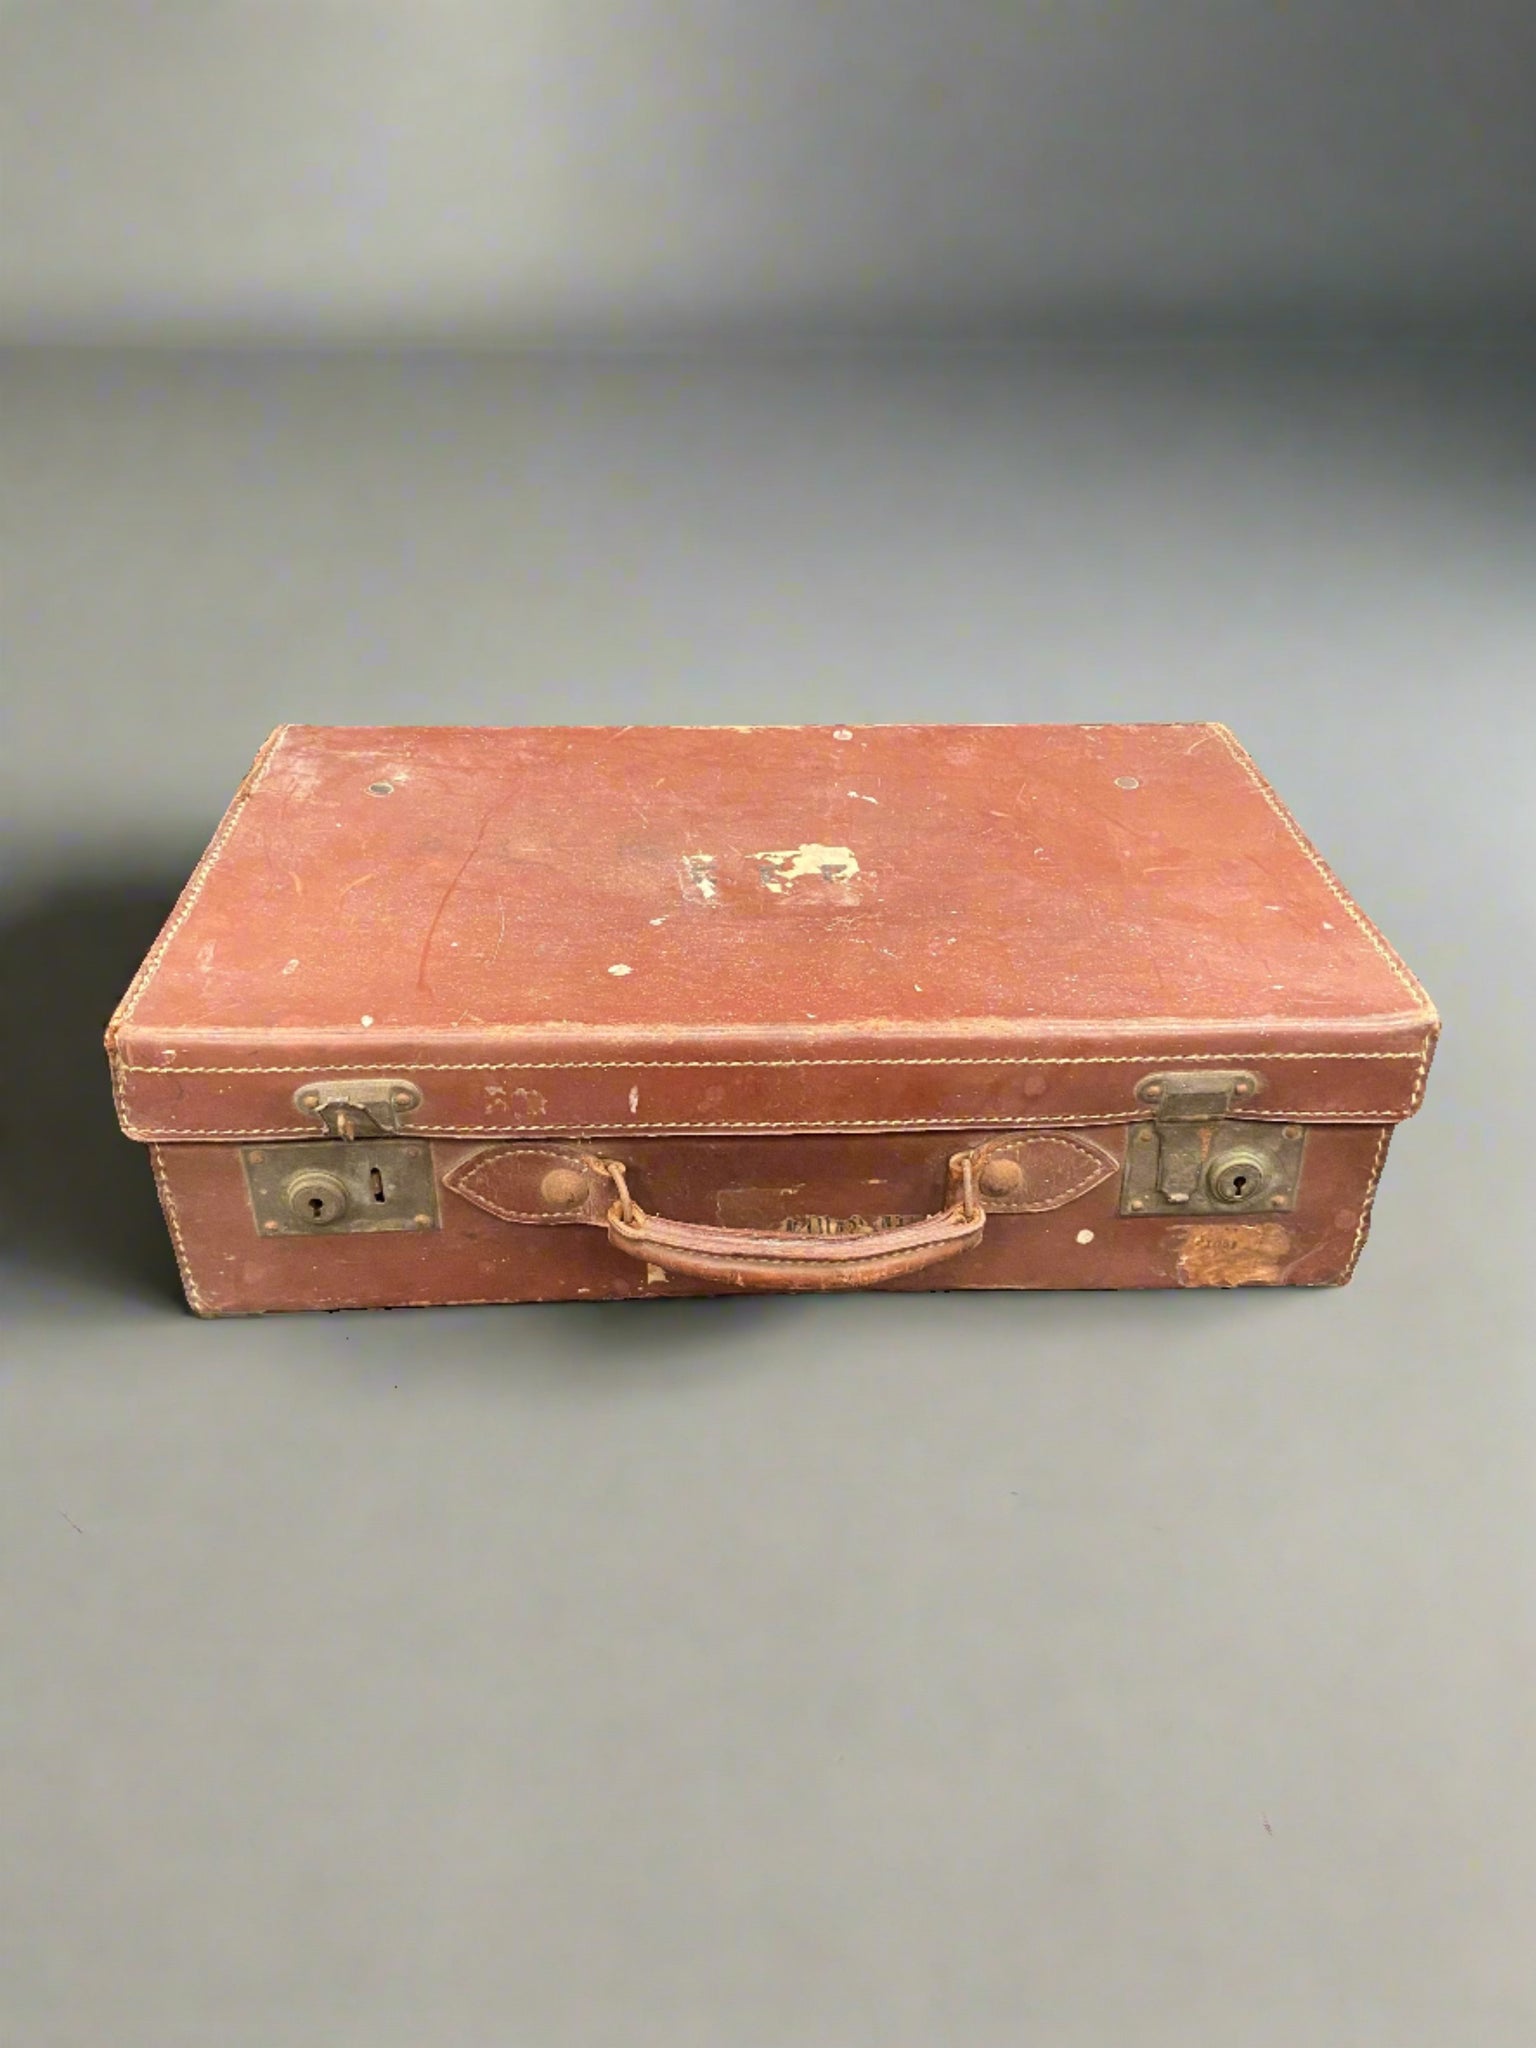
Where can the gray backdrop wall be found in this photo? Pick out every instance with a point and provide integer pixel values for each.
(544, 168)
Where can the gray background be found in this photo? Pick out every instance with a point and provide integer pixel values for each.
(1077, 1672)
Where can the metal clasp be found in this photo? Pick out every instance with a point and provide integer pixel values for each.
(1193, 1160)
(367, 1107)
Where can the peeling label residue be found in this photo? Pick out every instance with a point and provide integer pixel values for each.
(1232, 1254)
(697, 875)
(782, 869)
(634, 1101)
(527, 1103)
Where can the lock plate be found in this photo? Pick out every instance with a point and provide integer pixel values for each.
(1227, 1167)
(338, 1188)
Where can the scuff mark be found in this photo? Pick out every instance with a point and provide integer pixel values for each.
(205, 956)
(634, 1101)
(697, 874)
(859, 797)
(448, 894)
(780, 870)
(347, 891)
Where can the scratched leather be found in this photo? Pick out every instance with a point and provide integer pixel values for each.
(797, 929)
(754, 1181)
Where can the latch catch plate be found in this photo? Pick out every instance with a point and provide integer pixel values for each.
(1196, 1159)
(337, 1187)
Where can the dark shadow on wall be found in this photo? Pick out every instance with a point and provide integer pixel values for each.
(77, 1198)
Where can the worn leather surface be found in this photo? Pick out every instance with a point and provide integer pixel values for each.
(758, 1182)
(790, 1261)
(581, 931)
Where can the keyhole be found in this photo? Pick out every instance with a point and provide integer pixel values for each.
(1239, 1185)
(316, 1206)
(376, 1182)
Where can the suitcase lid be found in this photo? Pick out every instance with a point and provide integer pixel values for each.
(588, 929)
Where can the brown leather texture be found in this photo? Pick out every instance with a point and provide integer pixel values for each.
(672, 946)
(789, 1261)
(776, 928)
(760, 1183)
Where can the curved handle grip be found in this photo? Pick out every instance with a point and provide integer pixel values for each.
(785, 1261)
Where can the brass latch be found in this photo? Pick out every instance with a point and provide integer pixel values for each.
(359, 1108)
(365, 1175)
(1194, 1159)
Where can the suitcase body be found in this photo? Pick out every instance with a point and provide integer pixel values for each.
(484, 1015)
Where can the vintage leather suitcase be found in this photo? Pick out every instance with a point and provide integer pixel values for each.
(471, 1015)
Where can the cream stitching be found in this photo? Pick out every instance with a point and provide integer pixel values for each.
(1363, 1227)
(1336, 888)
(200, 874)
(852, 1123)
(1112, 1059)
(168, 1204)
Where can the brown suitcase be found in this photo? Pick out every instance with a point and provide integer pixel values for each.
(472, 1015)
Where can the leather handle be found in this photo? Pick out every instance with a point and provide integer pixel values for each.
(783, 1260)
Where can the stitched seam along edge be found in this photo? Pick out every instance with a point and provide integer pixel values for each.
(196, 883)
(173, 1220)
(1363, 1226)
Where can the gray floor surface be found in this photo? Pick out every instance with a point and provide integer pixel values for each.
(1090, 1672)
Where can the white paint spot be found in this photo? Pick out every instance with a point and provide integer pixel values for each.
(697, 875)
(1127, 782)
(292, 967)
(918, 986)
(365, 1022)
(634, 1101)
(655, 1276)
(619, 968)
(859, 797)
(658, 920)
(168, 1055)
(841, 732)
(1085, 1237)
(1327, 927)
(792, 864)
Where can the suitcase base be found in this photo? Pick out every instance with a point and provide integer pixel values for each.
(234, 1261)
